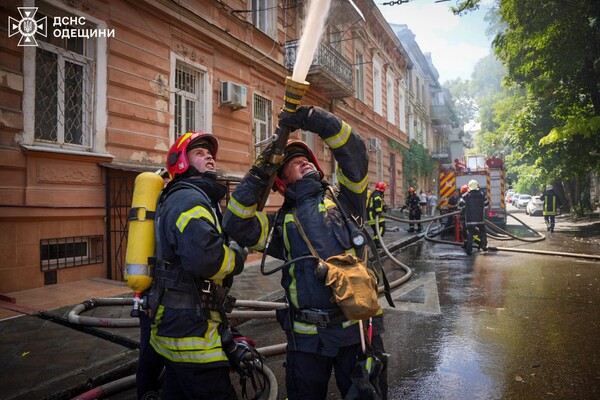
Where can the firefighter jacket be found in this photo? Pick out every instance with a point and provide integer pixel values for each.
(413, 202)
(551, 202)
(376, 206)
(473, 205)
(324, 227)
(196, 255)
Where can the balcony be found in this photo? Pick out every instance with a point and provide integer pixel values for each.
(441, 152)
(329, 72)
(440, 114)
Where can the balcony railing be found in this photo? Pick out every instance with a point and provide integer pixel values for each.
(440, 113)
(329, 72)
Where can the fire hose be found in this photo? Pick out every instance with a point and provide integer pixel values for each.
(495, 248)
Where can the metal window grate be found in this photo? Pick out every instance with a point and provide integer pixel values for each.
(189, 92)
(70, 252)
(263, 118)
(64, 90)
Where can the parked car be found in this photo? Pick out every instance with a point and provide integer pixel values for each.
(514, 198)
(523, 200)
(535, 206)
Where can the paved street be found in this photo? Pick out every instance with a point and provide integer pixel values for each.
(496, 325)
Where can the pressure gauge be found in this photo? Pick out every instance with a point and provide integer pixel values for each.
(358, 239)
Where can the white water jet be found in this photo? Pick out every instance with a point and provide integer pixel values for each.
(313, 29)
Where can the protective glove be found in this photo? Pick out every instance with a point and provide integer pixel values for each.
(241, 254)
(384, 208)
(262, 167)
(295, 120)
(239, 349)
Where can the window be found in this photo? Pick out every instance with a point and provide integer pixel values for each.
(264, 16)
(64, 90)
(359, 68)
(263, 118)
(190, 103)
(70, 252)
(335, 38)
(64, 85)
(390, 94)
(377, 94)
(402, 108)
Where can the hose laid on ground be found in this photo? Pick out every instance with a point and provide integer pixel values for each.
(405, 267)
(110, 388)
(128, 382)
(75, 318)
(515, 250)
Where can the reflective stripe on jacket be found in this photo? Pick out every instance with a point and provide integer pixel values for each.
(192, 240)
(474, 203)
(324, 227)
(375, 207)
(550, 203)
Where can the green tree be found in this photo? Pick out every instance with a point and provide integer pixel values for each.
(551, 52)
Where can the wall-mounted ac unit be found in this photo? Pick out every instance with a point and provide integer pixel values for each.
(233, 95)
(374, 144)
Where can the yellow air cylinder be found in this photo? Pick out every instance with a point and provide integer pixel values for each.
(141, 239)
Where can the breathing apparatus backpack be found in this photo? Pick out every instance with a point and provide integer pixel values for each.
(141, 240)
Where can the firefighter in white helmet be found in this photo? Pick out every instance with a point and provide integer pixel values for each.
(473, 204)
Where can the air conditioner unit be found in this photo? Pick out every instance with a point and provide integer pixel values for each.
(375, 144)
(233, 95)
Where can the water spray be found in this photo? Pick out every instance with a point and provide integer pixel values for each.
(296, 85)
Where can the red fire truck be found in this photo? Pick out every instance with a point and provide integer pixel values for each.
(487, 171)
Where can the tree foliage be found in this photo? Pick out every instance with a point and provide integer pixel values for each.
(416, 163)
(547, 114)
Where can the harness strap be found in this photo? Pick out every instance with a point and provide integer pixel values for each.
(321, 318)
(208, 301)
(182, 291)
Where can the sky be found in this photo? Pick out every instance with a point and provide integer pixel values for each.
(455, 43)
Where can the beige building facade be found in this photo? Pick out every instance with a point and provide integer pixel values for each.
(95, 92)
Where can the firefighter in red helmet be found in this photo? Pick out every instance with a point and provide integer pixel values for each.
(376, 207)
(413, 203)
(189, 295)
(320, 339)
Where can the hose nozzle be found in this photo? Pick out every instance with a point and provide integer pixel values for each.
(294, 92)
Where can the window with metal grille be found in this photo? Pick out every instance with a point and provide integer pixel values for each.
(190, 86)
(64, 87)
(263, 119)
(70, 252)
(264, 16)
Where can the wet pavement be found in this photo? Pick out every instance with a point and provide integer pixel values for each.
(495, 325)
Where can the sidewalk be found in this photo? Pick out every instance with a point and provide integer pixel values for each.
(45, 357)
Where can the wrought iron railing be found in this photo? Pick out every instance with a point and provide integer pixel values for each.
(325, 57)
